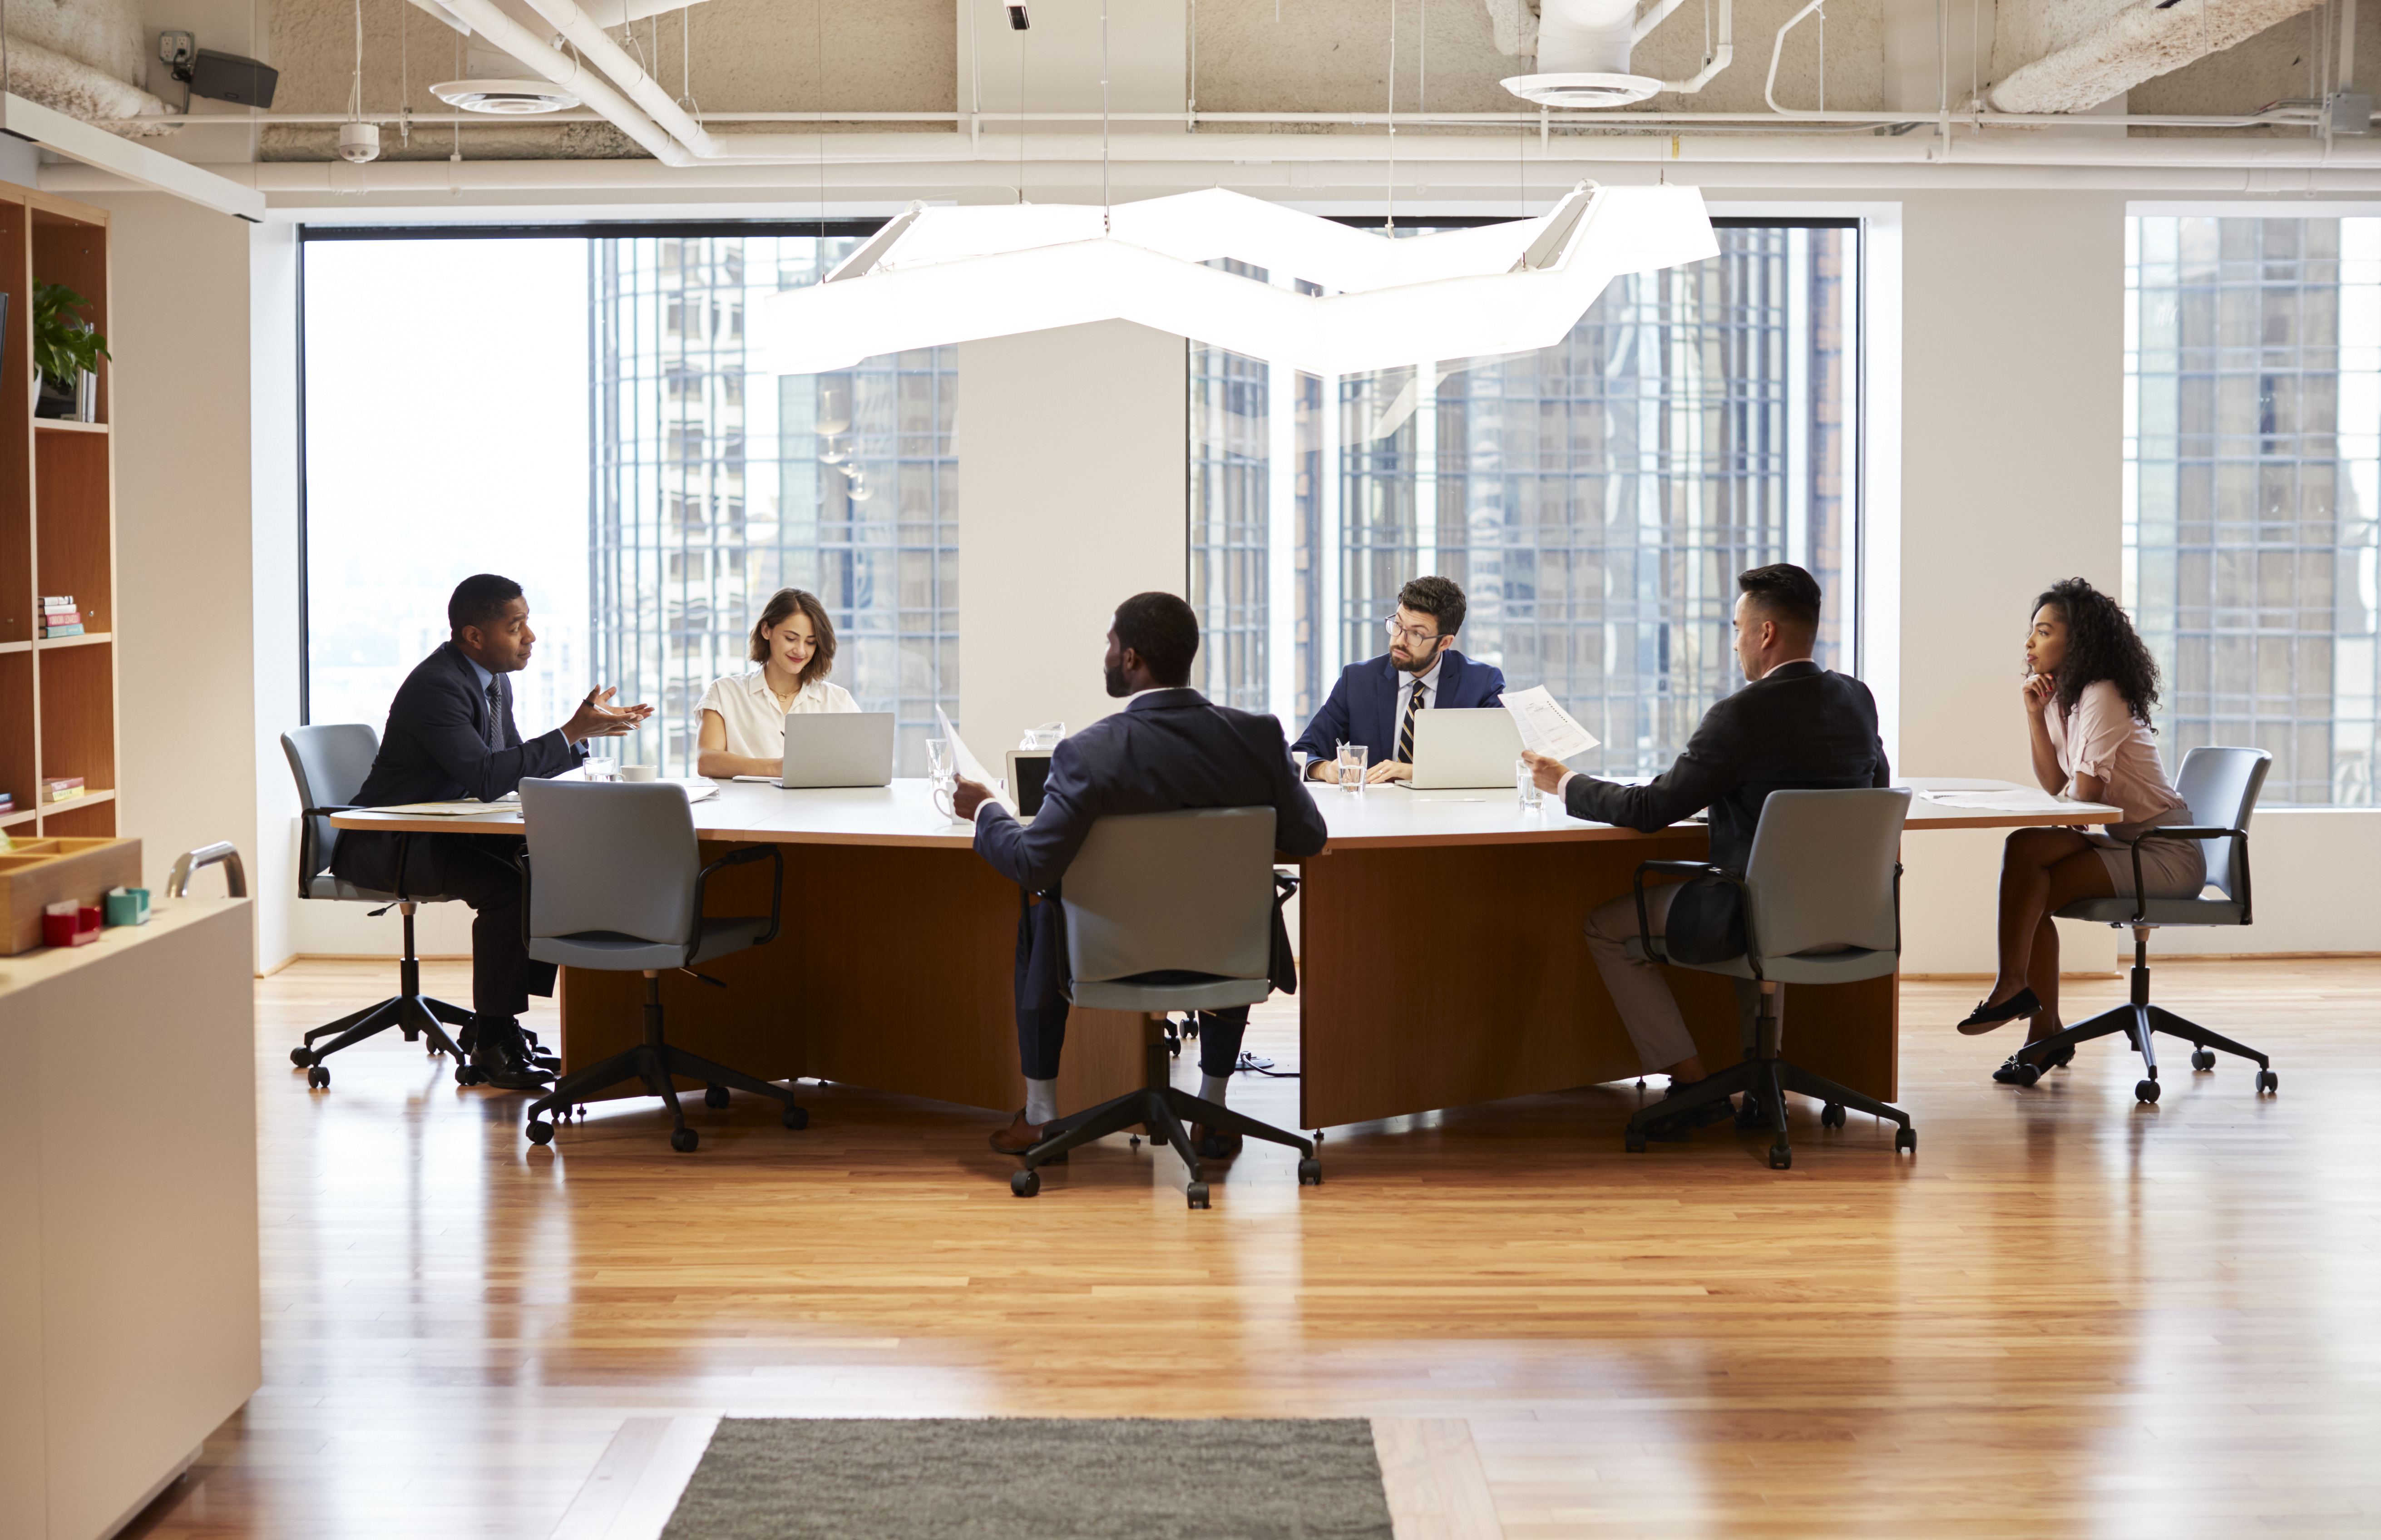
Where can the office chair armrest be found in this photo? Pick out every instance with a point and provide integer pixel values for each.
(2192, 831)
(1652, 943)
(329, 808)
(744, 857)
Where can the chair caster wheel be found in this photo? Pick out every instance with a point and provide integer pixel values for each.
(2145, 1091)
(2202, 1058)
(318, 1078)
(2027, 1074)
(1133, 1140)
(794, 1117)
(684, 1139)
(1906, 1141)
(714, 1095)
(302, 1058)
(1832, 1115)
(1309, 1172)
(2268, 1081)
(1780, 1157)
(470, 1074)
(1025, 1183)
(1197, 1195)
(540, 1133)
(1633, 1143)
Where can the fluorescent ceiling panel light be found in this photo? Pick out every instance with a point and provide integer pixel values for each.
(936, 276)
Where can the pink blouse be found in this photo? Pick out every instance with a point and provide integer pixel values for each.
(2103, 740)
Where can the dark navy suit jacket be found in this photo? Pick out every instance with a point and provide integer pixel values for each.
(1167, 750)
(435, 750)
(1363, 703)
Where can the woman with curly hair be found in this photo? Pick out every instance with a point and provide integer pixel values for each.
(2089, 687)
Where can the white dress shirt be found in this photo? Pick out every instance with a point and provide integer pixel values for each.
(756, 719)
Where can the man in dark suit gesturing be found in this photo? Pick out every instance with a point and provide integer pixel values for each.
(1374, 701)
(1793, 727)
(1167, 749)
(451, 734)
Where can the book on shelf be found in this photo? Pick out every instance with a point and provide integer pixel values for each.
(51, 633)
(58, 601)
(62, 788)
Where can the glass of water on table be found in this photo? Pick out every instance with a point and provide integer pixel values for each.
(1351, 767)
(1525, 785)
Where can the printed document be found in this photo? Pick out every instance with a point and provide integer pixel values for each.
(1546, 727)
(968, 765)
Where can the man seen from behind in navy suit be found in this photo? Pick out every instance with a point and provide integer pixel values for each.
(1169, 749)
(1374, 701)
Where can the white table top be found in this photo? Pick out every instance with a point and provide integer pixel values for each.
(1380, 817)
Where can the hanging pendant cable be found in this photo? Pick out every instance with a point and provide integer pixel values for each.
(1104, 117)
(1389, 222)
(404, 82)
(1021, 118)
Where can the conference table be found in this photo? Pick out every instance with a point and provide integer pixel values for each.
(1439, 938)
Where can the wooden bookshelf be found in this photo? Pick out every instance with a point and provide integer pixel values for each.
(57, 535)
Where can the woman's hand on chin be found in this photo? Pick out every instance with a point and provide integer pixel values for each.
(2038, 688)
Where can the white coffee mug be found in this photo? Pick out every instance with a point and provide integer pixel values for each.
(639, 771)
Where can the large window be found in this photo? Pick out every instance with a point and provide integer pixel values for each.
(2252, 461)
(1595, 499)
(581, 413)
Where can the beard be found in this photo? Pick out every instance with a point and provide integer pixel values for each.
(1413, 665)
(1118, 686)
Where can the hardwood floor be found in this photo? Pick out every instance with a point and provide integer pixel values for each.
(2067, 1314)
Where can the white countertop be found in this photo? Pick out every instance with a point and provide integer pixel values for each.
(44, 963)
(904, 814)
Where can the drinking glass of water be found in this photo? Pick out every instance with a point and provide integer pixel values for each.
(1351, 767)
(602, 767)
(1526, 783)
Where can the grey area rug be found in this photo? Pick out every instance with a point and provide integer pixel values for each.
(1035, 1479)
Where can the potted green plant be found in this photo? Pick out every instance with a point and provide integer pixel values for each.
(64, 349)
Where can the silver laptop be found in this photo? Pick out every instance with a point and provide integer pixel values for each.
(1459, 748)
(837, 748)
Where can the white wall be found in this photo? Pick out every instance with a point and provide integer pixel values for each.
(1074, 454)
(179, 329)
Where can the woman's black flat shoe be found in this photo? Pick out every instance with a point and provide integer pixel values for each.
(2014, 1071)
(1984, 1018)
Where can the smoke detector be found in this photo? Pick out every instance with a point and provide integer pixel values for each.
(358, 143)
(505, 98)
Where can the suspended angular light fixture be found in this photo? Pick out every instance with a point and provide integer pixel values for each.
(936, 276)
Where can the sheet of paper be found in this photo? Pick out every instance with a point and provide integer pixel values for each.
(969, 765)
(465, 808)
(697, 787)
(1545, 725)
(2015, 799)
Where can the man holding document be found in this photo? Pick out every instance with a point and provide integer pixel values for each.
(1794, 726)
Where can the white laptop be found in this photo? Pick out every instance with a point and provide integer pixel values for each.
(1464, 748)
(1028, 772)
(837, 748)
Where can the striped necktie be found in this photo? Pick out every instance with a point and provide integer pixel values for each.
(496, 713)
(1405, 734)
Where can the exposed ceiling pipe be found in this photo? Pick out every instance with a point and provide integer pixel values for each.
(697, 142)
(2138, 42)
(490, 21)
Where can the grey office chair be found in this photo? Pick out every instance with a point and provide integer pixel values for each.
(2221, 782)
(329, 764)
(612, 880)
(1200, 939)
(1822, 875)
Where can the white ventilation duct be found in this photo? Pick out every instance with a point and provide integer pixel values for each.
(2101, 49)
(1584, 48)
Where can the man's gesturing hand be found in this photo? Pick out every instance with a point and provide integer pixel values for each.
(966, 797)
(1547, 773)
(596, 717)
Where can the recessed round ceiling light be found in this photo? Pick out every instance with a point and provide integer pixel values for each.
(505, 98)
(1582, 89)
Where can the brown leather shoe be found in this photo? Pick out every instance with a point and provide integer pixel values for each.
(1021, 1136)
(1216, 1146)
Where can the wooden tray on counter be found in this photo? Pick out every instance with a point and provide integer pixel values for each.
(34, 872)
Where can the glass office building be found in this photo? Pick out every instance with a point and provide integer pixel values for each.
(713, 485)
(1595, 499)
(2253, 462)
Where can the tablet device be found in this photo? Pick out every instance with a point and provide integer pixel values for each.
(1028, 772)
(1464, 748)
(837, 748)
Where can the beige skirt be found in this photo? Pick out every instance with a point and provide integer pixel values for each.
(2170, 868)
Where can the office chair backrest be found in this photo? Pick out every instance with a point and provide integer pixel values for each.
(2221, 785)
(604, 856)
(329, 764)
(1821, 872)
(1189, 891)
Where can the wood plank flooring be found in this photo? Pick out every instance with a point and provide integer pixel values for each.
(2067, 1314)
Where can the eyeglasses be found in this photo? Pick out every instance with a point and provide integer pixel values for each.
(1414, 636)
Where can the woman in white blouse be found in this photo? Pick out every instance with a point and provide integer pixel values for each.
(744, 715)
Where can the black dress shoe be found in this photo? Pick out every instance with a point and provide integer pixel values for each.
(502, 1057)
(1215, 1143)
(1984, 1018)
(1680, 1127)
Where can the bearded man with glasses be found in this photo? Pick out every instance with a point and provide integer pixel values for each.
(1375, 702)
